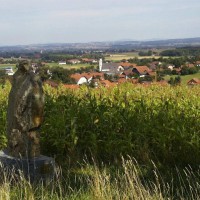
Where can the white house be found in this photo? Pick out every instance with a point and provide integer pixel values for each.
(73, 61)
(9, 71)
(79, 79)
(62, 62)
(110, 68)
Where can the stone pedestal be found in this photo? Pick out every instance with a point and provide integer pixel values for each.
(37, 169)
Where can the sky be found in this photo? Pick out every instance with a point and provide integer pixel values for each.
(68, 21)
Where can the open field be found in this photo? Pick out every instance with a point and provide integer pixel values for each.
(119, 57)
(7, 65)
(184, 79)
(70, 66)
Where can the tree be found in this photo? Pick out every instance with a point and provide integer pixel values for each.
(193, 70)
(171, 81)
(43, 71)
(175, 81)
(146, 78)
(174, 72)
(177, 62)
(60, 74)
(184, 70)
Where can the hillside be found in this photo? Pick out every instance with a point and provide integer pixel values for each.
(106, 45)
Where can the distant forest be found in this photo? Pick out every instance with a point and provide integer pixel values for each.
(186, 51)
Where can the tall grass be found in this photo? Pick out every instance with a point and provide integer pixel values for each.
(101, 183)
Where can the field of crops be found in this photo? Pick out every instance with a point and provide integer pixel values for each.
(120, 56)
(154, 125)
(70, 66)
(149, 123)
(3, 66)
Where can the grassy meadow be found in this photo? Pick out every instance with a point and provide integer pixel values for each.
(120, 56)
(185, 78)
(71, 66)
(2, 66)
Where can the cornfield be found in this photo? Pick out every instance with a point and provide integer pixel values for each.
(157, 126)
(149, 123)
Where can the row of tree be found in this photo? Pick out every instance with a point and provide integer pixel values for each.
(186, 51)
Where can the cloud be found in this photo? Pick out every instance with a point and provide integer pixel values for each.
(78, 20)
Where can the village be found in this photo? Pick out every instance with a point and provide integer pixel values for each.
(108, 73)
(101, 72)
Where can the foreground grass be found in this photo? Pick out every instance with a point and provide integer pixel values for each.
(105, 183)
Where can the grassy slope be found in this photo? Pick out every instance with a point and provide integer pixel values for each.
(120, 56)
(186, 78)
(7, 65)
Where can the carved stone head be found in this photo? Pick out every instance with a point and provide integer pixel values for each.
(24, 65)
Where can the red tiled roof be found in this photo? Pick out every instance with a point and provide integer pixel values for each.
(177, 69)
(194, 81)
(190, 65)
(121, 80)
(142, 69)
(87, 59)
(162, 82)
(87, 75)
(198, 62)
(122, 76)
(128, 72)
(95, 74)
(71, 60)
(76, 76)
(127, 64)
(151, 73)
(73, 86)
(51, 83)
(134, 81)
(107, 83)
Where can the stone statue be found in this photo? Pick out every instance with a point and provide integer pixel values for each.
(25, 113)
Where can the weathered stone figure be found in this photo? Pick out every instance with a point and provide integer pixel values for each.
(25, 113)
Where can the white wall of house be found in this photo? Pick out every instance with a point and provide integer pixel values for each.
(89, 79)
(171, 67)
(105, 70)
(82, 80)
(100, 64)
(62, 63)
(9, 71)
(120, 68)
(74, 61)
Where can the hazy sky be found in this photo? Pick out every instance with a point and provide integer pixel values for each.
(49, 21)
